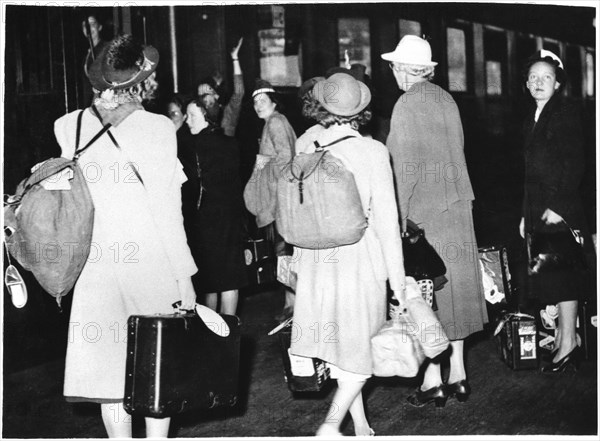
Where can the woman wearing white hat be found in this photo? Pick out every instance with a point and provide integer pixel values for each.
(276, 148)
(434, 190)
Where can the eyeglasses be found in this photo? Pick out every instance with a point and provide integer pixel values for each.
(394, 66)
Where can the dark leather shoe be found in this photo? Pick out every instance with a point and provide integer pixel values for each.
(437, 394)
(461, 390)
(570, 360)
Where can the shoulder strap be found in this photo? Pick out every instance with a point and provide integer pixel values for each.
(112, 138)
(110, 135)
(78, 133)
(80, 151)
(321, 147)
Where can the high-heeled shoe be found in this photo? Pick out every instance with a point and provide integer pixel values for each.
(570, 360)
(461, 390)
(420, 398)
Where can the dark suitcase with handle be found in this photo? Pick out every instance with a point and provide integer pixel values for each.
(176, 363)
(260, 261)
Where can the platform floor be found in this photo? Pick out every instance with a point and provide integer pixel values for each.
(503, 401)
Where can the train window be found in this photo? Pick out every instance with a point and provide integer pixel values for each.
(589, 74)
(574, 69)
(279, 59)
(493, 76)
(409, 27)
(355, 38)
(457, 60)
(495, 50)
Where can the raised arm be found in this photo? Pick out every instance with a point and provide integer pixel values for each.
(231, 113)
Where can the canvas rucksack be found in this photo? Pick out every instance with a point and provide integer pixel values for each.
(318, 204)
(49, 231)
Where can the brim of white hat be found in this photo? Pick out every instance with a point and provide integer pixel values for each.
(394, 56)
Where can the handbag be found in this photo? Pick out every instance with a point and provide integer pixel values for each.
(554, 247)
(260, 193)
(412, 334)
(421, 260)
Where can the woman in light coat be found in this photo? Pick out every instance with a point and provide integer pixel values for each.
(341, 294)
(139, 262)
(434, 191)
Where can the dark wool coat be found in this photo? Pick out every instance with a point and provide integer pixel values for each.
(554, 168)
(554, 163)
(434, 190)
(214, 219)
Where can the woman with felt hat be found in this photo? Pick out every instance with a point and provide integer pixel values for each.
(140, 262)
(341, 294)
(434, 191)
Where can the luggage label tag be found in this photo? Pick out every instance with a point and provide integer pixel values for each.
(211, 319)
(301, 366)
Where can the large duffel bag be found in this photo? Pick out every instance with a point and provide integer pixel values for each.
(177, 363)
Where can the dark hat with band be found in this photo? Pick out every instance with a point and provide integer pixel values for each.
(136, 63)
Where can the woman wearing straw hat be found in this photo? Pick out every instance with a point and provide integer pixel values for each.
(434, 190)
(140, 262)
(341, 294)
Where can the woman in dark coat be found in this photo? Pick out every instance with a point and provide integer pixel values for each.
(554, 167)
(213, 207)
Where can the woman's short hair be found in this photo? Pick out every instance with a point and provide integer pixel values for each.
(311, 108)
(198, 102)
(180, 100)
(275, 99)
(327, 119)
(427, 72)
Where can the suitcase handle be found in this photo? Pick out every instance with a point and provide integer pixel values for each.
(178, 310)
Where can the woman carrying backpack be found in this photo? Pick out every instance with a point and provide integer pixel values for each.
(341, 296)
(140, 262)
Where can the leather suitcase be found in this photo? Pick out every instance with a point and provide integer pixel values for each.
(301, 374)
(175, 363)
(517, 341)
(496, 281)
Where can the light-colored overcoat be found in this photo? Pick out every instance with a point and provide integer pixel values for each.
(434, 190)
(139, 249)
